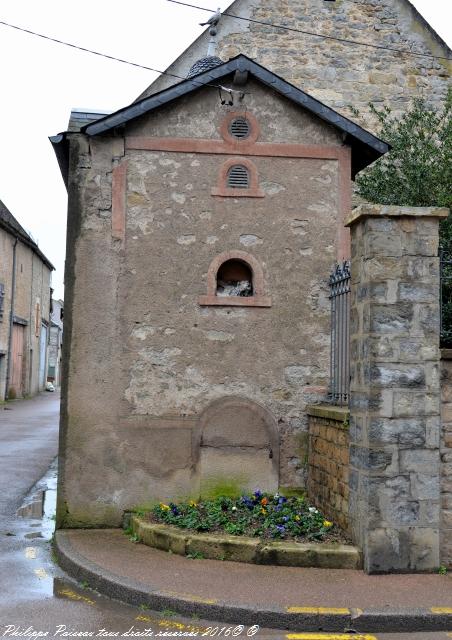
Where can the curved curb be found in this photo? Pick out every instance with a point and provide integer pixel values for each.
(308, 619)
(243, 549)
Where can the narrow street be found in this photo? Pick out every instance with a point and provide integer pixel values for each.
(36, 596)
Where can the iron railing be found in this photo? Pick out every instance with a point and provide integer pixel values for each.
(445, 296)
(339, 391)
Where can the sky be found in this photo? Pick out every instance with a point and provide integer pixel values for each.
(42, 81)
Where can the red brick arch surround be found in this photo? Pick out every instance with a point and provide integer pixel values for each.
(258, 299)
(222, 188)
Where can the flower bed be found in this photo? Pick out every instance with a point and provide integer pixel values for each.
(258, 515)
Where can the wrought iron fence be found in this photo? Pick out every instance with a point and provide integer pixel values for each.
(340, 334)
(445, 260)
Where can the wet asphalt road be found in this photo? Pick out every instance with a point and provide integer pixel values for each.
(35, 595)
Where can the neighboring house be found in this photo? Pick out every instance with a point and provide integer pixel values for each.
(55, 342)
(340, 74)
(25, 275)
(200, 239)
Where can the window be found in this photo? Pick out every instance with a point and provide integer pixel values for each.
(240, 128)
(238, 178)
(235, 278)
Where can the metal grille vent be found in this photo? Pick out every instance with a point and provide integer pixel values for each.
(238, 177)
(240, 128)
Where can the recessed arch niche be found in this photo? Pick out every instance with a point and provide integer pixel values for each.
(237, 264)
(239, 446)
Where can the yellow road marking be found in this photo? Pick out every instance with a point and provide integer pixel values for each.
(447, 610)
(30, 552)
(72, 595)
(41, 573)
(170, 624)
(328, 636)
(189, 596)
(318, 610)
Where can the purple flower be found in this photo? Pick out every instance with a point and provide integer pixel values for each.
(257, 494)
(282, 500)
(281, 528)
(248, 502)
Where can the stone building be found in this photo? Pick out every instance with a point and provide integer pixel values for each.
(345, 76)
(55, 342)
(25, 275)
(202, 226)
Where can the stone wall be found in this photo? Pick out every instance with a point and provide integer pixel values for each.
(32, 288)
(342, 75)
(328, 462)
(395, 419)
(159, 387)
(446, 457)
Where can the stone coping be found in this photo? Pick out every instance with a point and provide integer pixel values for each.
(383, 211)
(243, 549)
(330, 412)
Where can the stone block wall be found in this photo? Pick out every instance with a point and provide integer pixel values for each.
(341, 75)
(328, 462)
(446, 457)
(395, 421)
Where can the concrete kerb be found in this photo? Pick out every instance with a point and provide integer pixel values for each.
(243, 549)
(308, 619)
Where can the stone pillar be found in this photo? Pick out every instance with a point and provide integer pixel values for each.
(395, 388)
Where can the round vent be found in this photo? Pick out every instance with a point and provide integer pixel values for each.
(239, 128)
(238, 177)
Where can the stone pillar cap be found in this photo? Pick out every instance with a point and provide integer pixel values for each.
(387, 211)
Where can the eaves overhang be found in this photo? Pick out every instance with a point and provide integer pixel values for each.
(366, 147)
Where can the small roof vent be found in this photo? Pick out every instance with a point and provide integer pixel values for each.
(238, 177)
(204, 64)
(239, 128)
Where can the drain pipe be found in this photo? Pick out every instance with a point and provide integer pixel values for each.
(11, 319)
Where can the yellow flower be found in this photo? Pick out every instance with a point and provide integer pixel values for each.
(327, 523)
(264, 513)
(192, 503)
(297, 518)
(164, 507)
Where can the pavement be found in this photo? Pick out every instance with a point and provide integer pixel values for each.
(149, 593)
(269, 596)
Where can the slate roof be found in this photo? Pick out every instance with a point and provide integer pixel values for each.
(204, 64)
(366, 148)
(11, 225)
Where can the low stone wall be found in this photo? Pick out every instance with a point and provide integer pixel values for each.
(328, 462)
(446, 458)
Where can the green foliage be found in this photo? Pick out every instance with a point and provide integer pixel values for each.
(259, 514)
(442, 570)
(195, 555)
(418, 170)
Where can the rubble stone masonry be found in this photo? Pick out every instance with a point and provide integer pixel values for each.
(446, 457)
(344, 76)
(328, 461)
(395, 421)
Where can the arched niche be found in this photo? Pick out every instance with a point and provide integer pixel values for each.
(249, 262)
(238, 447)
